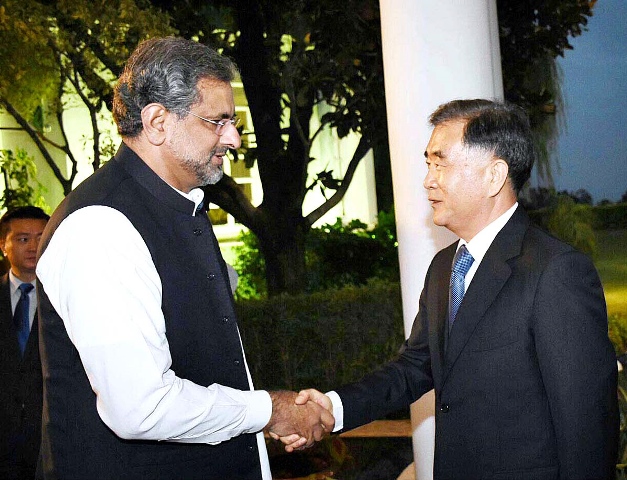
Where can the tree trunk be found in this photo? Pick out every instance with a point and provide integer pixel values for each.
(284, 253)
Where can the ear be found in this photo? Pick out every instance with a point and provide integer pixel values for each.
(498, 172)
(154, 117)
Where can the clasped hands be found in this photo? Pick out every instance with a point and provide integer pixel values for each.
(299, 420)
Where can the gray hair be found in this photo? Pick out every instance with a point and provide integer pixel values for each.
(498, 127)
(166, 71)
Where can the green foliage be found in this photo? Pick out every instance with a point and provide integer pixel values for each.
(336, 255)
(54, 53)
(617, 328)
(352, 254)
(324, 339)
(532, 34)
(609, 217)
(573, 223)
(605, 217)
(28, 68)
(251, 268)
(19, 174)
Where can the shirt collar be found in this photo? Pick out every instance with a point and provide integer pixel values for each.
(480, 243)
(195, 195)
(16, 282)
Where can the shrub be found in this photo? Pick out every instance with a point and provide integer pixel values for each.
(617, 325)
(336, 255)
(572, 223)
(609, 217)
(321, 340)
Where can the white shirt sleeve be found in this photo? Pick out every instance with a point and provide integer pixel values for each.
(100, 278)
(338, 410)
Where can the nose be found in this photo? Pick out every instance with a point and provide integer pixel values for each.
(429, 182)
(231, 137)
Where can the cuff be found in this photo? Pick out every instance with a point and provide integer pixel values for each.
(338, 410)
(259, 409)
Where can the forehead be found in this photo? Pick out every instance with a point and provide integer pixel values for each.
(216, 97)
(26, 225)
(445, 136)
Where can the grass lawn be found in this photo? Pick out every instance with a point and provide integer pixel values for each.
(611, 261)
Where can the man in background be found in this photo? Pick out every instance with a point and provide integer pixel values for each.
(20, 389)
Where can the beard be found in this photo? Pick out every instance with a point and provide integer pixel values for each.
(196, 161)
(205, 172)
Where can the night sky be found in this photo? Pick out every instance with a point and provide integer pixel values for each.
(592, 149)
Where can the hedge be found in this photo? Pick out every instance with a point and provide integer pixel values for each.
(321, 340)
(605, 217)
(329, 338)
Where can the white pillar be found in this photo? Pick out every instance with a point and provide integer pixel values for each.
(433, 52)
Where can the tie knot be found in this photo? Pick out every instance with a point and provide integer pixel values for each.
(463, 261)
(26, 287)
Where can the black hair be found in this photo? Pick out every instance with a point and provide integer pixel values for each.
(27, 212)
(498, 127)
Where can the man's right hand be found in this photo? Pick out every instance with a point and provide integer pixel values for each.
(294, 441)
(302, 423)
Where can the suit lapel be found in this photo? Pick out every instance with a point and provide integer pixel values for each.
(491, 276)
(8, 334)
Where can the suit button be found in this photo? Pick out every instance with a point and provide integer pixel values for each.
(236, 363)
(250, 448)
(211, 276)
(444, 408)
(197, 232)
(225, 319)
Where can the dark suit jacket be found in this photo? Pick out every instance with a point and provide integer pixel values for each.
(526, 382)
(20, 396)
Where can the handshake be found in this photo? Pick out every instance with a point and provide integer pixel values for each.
(300, 419)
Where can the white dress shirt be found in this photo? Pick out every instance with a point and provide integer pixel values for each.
(99, 276)
(477, 247)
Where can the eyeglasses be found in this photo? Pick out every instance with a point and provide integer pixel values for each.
(220, 124)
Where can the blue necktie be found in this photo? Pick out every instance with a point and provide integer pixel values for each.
(461, 264)
(21, 317)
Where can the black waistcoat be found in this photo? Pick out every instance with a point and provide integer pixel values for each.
(201, 331)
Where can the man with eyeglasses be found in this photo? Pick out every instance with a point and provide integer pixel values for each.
(144, 371)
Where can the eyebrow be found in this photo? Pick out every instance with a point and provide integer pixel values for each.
(436, 153)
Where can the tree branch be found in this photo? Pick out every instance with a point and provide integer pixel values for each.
(229, 196)
(37, 140)
(360, 153)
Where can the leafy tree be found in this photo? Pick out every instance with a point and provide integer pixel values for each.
(334, 256)
(580, 196)
(19, 172)
(535, 198)
(51, 51)
(294, 57)
(572, 222)
(334, 56)
(532, 34)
